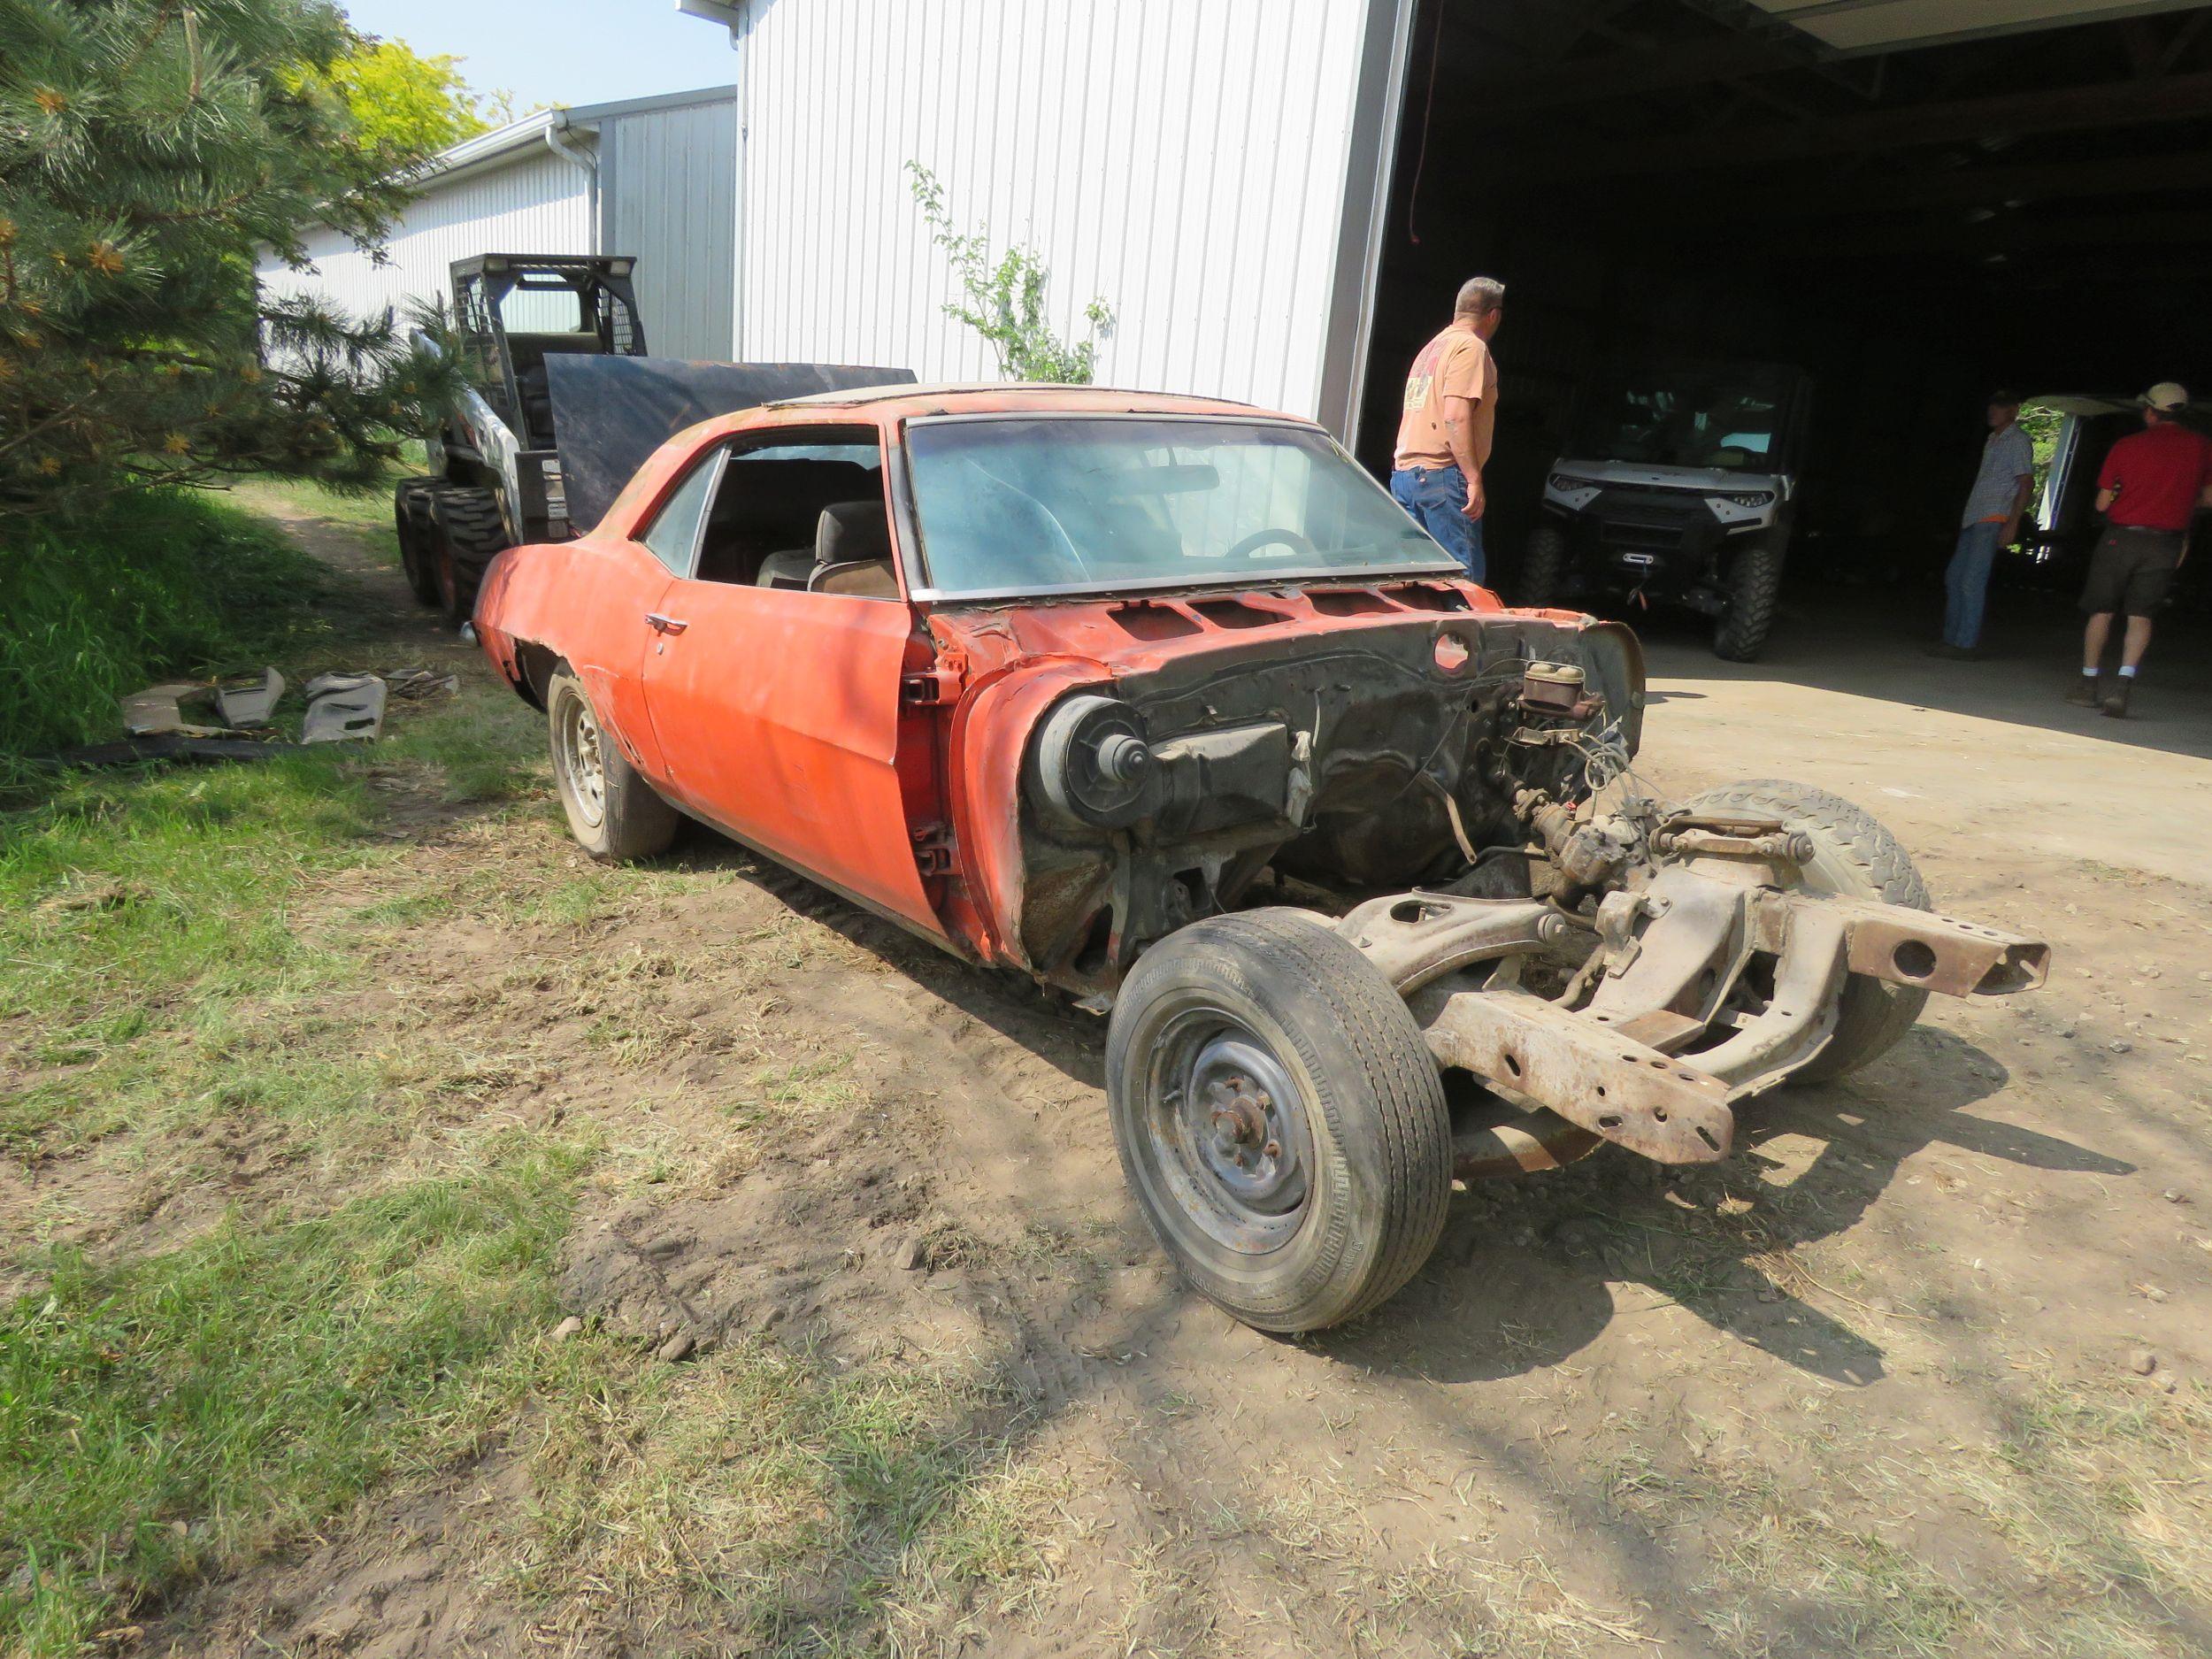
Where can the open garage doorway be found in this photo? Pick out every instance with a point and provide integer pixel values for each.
(1910, 203)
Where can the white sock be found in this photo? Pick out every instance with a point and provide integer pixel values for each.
(2127, 671)
(2088, 673)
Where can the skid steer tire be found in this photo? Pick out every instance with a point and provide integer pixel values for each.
(614, 814)
(1755, 588)
(1853, 854)
(410, 518)
(466, 534)
(1279, 1118)
(1544, 569)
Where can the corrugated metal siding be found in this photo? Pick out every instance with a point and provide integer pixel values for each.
(668, 193)
(537, 204)
(1183, 159)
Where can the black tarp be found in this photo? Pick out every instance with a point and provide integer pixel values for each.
(610, 413)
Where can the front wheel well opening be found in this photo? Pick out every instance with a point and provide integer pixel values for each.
(534, 671)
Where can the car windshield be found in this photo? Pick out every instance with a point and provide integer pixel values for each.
(1019, 505)
(1687, 415)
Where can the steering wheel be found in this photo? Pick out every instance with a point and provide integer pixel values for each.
(1288, 537)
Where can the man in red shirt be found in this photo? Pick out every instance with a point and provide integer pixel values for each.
(2154, 483)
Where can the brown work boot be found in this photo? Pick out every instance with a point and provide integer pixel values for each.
(2115, 701)
(2083, 693)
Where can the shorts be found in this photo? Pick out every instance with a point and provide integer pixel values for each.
(2131, 571)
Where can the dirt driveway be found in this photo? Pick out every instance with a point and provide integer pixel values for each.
(1916, 1371)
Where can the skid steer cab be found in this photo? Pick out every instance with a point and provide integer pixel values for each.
(495, 476)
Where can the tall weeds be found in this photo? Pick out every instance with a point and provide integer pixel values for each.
(165, 585)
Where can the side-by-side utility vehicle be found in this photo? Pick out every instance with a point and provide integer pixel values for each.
(1679, 487)
(1166, 704)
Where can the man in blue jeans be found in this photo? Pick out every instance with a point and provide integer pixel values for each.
(1991, 521)
(1451, 411)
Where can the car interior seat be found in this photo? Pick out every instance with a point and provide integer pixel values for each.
(761, 529)
(852, 551)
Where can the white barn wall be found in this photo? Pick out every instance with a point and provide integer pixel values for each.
(1184, 159)
(537, 204)
(667, 183)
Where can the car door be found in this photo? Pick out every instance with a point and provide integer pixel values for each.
(777, 713)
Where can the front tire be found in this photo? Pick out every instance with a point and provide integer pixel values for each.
(1855, 856)
(1544, 568)
(410, 518)
(612, 811)
(1279, 1118)
(466, 532)
(1754, 591)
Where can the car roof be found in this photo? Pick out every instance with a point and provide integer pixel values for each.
(902, 401)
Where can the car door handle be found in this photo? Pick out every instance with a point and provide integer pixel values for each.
(665, 625)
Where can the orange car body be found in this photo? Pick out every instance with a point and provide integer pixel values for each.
(885, 744)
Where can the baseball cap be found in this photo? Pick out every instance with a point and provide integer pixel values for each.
(2008, 399)
(2166, 395)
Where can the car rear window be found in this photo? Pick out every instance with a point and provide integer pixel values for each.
(1011, 505)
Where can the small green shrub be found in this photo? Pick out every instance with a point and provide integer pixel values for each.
(158, 586)
(1005, 296)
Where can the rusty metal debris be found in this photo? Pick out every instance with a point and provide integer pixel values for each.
(343, 708)
(159, 708)
(247, 705)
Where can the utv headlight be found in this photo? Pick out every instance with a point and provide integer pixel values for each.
(1564, 482)
(1752, 498)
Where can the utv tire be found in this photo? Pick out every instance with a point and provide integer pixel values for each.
(411, 517)
(1544, 568)
(1279, 1118)
(612, 811)
(466, 534)
(1755, 588)
(1853, 854)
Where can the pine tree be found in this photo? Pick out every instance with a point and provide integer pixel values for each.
(149, 150)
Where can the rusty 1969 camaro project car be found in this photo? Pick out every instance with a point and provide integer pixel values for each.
(1164, 702)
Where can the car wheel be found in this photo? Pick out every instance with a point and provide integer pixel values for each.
(612, 811)
(1544, 568)
(466, 534)
(1279, 1118)
(1755, 588)
(1855, 856)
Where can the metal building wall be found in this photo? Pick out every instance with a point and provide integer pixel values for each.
(668, 194)
(1183, 159)
(538, 202)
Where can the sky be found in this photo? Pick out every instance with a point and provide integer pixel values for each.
(560, 51)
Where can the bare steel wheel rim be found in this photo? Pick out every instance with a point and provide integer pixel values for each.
(582, 762)
(1225, 1130)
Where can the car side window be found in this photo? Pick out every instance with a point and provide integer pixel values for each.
(673, 536)
(802, 508)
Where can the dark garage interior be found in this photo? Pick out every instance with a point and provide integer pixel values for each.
(1914, 202)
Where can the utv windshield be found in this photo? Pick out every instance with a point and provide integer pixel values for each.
(1689, 415)
(1015, 505)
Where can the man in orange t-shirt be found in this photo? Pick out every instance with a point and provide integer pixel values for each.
(1451, 410)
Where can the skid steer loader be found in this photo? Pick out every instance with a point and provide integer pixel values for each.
(563, 406)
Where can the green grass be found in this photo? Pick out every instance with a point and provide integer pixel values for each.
(168, 1417)
(158, 586)
(814, 1509)
(174, 1000)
